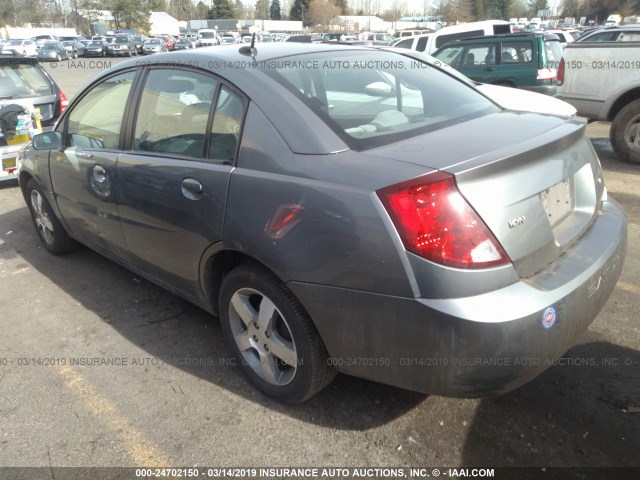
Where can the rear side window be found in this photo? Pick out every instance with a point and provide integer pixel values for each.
(173, 113)
(404, 43)
(227, 123)
(517, 52)
(96, 121)
(483, 54)
(422, 44)
(602, 37)
(629, 37)
(379, 97)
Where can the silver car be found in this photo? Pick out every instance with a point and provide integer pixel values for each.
(341, 209)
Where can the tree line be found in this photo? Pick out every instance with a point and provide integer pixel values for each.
(135, 13)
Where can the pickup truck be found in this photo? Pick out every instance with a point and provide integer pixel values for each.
(602, 81)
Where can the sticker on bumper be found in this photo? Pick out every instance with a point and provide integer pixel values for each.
(549, 317)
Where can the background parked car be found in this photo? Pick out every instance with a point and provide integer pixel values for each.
(25, 82)
(154, 45)
(183, 44)
(53, 51)
(22, 46)
(139, 40)
(123, 45)
(96, 48)
(612, 34)
(564, 36)
(74, 48)
(522, 60)
(42, 39)
(380, 38)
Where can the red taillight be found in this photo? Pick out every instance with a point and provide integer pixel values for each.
(64, 102)
(561, 72)
(436, 222)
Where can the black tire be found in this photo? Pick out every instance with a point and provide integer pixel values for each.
(625, 133)
(50, 231)
(75, 55)
(58, 57)
(287, 333)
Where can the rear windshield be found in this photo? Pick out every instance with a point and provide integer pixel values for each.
(375, 98)
(22, 80)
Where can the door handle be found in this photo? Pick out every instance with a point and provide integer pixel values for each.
(80, 153)
(191, 188)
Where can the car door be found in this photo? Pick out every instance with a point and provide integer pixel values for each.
(479, 62)
(175, 176)
(83, 172)
(517, 64)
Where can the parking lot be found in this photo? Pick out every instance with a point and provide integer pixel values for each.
(101, 368)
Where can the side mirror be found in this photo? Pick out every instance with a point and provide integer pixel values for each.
(380, 89)
(47, 141)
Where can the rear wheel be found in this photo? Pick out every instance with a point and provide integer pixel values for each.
(271, 335)
(625, 133)
(51, 232)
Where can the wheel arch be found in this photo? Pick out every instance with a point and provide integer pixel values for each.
(622, 101)
(216, 263)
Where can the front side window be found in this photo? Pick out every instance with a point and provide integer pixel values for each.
(173, 112)
(96, 121)
(379, 97)
(451, 55)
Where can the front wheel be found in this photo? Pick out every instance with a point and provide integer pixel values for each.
(625, 133)
(51, 232)
(271, 335)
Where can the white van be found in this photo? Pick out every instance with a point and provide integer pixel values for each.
(430, 42)
(208, 37)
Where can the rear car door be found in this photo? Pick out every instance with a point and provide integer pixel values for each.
(479, 62)
(518, 64)
(175, 175)
(83, 175)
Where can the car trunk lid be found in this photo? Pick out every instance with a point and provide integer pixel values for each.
(536, 188)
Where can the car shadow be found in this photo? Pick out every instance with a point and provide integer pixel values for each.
(175, 332)
(582, 412)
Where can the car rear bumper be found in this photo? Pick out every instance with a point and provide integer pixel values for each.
(475, 346)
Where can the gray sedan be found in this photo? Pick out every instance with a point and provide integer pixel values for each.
(53, 51)
(341, 209)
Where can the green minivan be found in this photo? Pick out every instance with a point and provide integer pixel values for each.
(523, 60)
